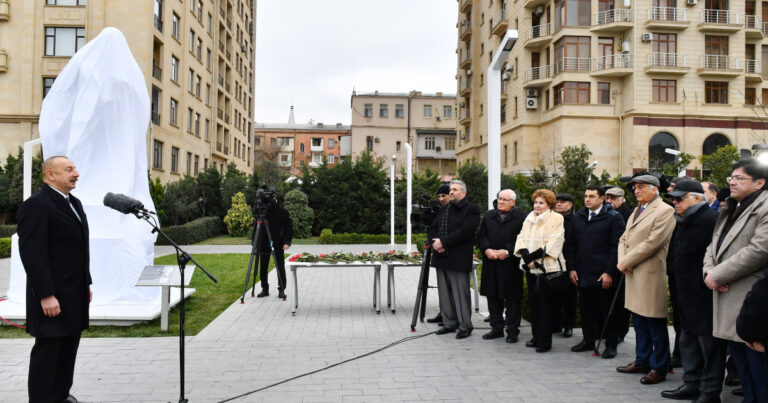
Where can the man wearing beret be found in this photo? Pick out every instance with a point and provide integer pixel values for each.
(642, 258)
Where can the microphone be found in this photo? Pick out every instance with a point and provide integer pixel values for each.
(123, 203)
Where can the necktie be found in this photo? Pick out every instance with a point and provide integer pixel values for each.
(591, 214)
(72, 207)
(641, 209)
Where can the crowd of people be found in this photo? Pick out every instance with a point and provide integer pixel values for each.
(706, 248)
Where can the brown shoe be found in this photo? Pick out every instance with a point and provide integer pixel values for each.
(632, 368)
(653, 377)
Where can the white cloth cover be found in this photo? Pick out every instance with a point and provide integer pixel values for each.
(97, 115)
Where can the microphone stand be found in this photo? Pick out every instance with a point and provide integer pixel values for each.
(182, 258)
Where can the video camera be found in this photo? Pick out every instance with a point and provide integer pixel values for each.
(265, 199)
(425, 212)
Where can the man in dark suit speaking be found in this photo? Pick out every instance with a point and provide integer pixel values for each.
(53, 244)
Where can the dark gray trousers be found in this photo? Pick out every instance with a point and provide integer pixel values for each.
(455, 299)
(703, 359)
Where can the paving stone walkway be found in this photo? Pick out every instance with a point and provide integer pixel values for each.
(258, 343)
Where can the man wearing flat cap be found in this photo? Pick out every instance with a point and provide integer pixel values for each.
(444, 198)
(615, 196)
(642, 258)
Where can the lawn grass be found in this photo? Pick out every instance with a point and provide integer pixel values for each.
(232, 240)
(202, 307)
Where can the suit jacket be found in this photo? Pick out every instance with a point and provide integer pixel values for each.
(459, 241)
(591, 245)
(752, 323)
(53, 245)
(738, 262)
(501, 278)
(643, 249)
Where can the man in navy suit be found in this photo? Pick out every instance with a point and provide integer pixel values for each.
(53, 244)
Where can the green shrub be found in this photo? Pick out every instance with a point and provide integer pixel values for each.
(193, 231)
(328, 237)
(239, 217)
(7, 230)
(5, 248)
(296, 203)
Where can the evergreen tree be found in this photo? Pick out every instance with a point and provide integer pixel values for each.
(574, 161)
(475, 176)
(717, 166)
(208, 192)
(180, 202)
(234, 182)
(239, 218)
(12, 183)
(296, 202)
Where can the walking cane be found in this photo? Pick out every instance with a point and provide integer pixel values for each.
(607, 318)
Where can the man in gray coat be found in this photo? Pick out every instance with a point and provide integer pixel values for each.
(734, 262)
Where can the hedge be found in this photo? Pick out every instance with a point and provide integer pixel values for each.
(7, 230)
(193, 231)
(5, 248)
(328, 237)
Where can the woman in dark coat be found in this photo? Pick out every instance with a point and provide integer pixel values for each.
(502, 280)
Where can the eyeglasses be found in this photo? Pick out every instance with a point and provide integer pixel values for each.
(677, 199)
(504, 199)
(739, 178)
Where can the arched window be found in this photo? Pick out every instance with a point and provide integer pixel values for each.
(656, 155)
(713, 142)
(301, 147)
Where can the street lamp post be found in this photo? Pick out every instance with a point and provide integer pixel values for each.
(494, 113)
(392, 200)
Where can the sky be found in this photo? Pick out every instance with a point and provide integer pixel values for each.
(313, 53)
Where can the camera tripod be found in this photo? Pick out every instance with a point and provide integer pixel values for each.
(261, 228)
(420, 306)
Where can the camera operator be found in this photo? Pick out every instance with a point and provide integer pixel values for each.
(442, 195)
(280, 226)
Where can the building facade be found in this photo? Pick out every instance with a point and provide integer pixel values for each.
(197, 57)
(383, 123)
(628, 78)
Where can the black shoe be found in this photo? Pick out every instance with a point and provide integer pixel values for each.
(511, 338)
(445, 330)
(738, 392)
(732, 380)
(583, 346)
(543, 349)
(437, 319)
(262, 294)
(684, 392)
(493, 334)
(675, 363)
(621, 339)
(530, 343)
(708, 398)
(70, 399)
(462, 334)
(609, 352)
(486, 320)
(281, 295)
(567, 333)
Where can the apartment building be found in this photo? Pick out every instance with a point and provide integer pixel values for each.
(197, 57)
(628, 78)
(294, 146)
(383, 123)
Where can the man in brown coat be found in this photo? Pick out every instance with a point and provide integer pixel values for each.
(734, 262)
(642, 259)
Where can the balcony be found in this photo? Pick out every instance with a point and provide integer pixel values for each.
(720, 65)
(608, 21)
(155, 118)
(465, 30)
(226, 150)
(765, 29)
(534, 3)
(538, 76)
(753, 26)
(316, 148)
(667, 63)
(466, 61)
(667, 18)
(538, 36)
(720, 21)
(157, 72)
(578, 64)
(219, 150)
(219, 113)
(616, 65)
(158, 24)
(752, 71)
(465, 87)
(466, 6)
(465, 117)
(499, 22)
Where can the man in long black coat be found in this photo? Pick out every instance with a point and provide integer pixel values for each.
(591, 255)
(502, 280)
(53, 244)
(752, 323)
(453, 235)
(281, 229)
(702, 355)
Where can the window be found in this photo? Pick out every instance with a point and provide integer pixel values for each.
(716, 92)
(65, 2)
(207, 130)
(503, 117)
(200, 10)
(664, 43)
(369, 143)
(450, 143)
(157, 155)
(208, 58)
(656, 155)
(664, 91)
(197, 164)
(383, 111)
(572, 53)
(604, 93)
(713, 142)
(331, 143)
(47, 84)
(715, 52)
(572, 13)
(514, 152)
(192, 5)
(505, 156)
(197, 124)
(429, 143)
(175, 24)
(750, 96)
(174, 110)
(331, 159)
(447, 111)
(60, 41)
(207, 94)
(572, 92)
(174, 160)
(197, 86)
(427, 111)
(192, 41)
(189, 119)
(285, 141)
(546, 99)
(301, 147)
(273, 142)
(158, 9)
(516, 106)
(189, 163)
(368, 111)
(210, 23)
(317, 142)
(317, 158)
(399, 112)
(199, 48)
(191, 80)
(174, 69)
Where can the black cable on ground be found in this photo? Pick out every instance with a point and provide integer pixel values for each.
(378, 350)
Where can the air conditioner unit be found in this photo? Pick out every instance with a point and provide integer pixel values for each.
(505, 76)
(509, 68)
(648, 37)
(531, 103)
(438, 149)
(377, 140)
(538, 11)
(469, 72)
(691, 2)
(532, 93)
